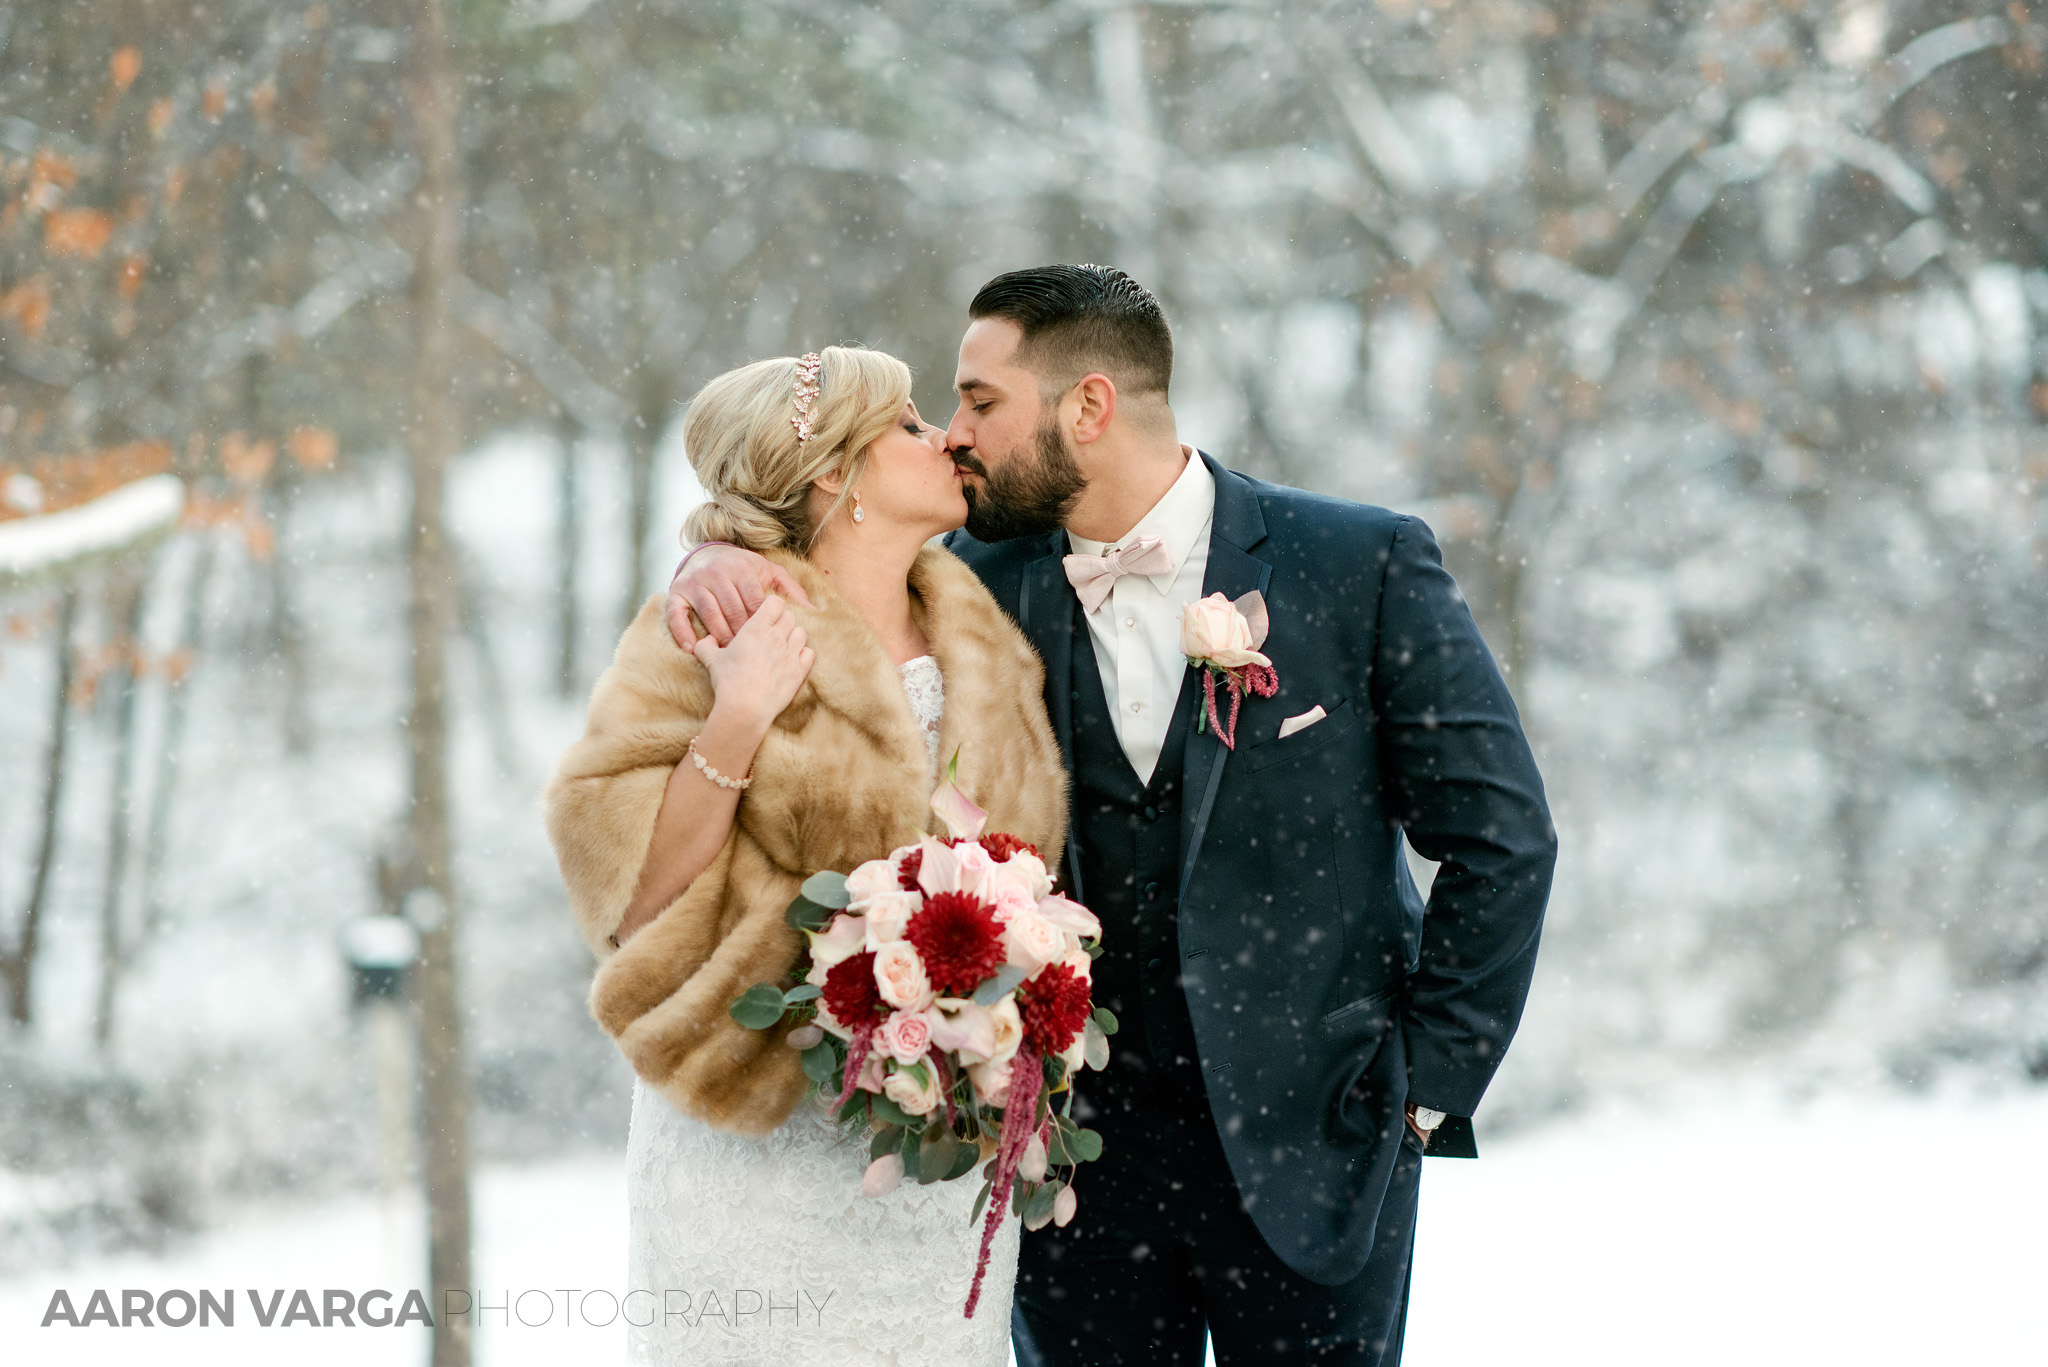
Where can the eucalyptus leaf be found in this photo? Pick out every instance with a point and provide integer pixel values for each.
(802, 992)
(1001, 985)
(759, 1007)
(804, 914)
(1056, 1151)
(911, 1155)
(936, 1155)
(827, 889)
(1094, 1047)
(1086, 1145)
(988, 1185)
(857, 1104)
(821, 1061)
(887, 1140)
(1105, 1020)
(889, 1111)
(963, 1162)
(1039, 1207)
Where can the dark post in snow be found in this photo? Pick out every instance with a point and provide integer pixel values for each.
(432, 434)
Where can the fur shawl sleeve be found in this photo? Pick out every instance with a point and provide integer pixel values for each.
(841, 778)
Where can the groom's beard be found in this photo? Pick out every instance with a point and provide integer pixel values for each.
(1023, 500)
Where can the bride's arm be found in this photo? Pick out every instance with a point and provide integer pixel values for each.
(753, 679)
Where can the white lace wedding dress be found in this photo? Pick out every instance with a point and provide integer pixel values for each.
(763, 1251)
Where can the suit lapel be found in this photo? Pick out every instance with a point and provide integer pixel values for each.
(1232, 571)
(1045, 609)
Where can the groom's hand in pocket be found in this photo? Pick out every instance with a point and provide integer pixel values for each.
(724, 586)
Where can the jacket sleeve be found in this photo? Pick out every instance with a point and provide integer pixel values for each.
(1458, 775)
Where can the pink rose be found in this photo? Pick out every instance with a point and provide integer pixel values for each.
(1023, 871)
(888, 914)
(1011, 900)
(1030, 942)
(871, 880)
(991, 1081)
(913, 1088)
(1068, 914)
(871, 1075)
(904, 1036)
(1214, 628)
(960, 1027)
(975, 869)
(843, 937)
(1077, 959)
(1009, 1029)
(900, 976)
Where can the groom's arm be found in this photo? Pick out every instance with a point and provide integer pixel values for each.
(1457, 773)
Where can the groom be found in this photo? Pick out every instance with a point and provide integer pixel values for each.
(1296, 1025)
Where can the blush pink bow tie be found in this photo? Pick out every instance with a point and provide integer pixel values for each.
(1093, 576)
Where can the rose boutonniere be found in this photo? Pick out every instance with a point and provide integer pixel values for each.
(1220, 637)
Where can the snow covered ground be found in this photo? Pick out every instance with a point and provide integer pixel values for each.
(1870, 1230)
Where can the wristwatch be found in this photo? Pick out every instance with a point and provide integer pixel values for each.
(1427, 1119)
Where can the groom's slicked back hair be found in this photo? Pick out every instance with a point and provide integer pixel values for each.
(1078, 319)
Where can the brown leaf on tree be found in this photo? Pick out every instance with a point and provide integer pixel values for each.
(247, 462)
(133, 267)
(77, 232)
(314, 448)
(214, 101)
(27, 305)
(160, 114)
(50, 175)
(124, 66)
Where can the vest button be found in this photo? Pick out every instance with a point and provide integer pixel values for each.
(1151, 813)
(1152, 894)
(1154, 964)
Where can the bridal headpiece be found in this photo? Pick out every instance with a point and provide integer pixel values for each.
(805, 395)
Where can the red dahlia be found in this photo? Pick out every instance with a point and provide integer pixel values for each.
(1002, 845)
(851, 993)
(959, 940)
(907, 867)
(1055, 1005)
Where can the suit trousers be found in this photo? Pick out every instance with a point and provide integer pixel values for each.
(1162, 1248)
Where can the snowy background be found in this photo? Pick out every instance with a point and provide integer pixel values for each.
(1712, 341)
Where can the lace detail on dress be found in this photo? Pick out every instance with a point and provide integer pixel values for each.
(763, 1251)
(926, 689)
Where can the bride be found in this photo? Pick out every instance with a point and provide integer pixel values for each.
(708, 786)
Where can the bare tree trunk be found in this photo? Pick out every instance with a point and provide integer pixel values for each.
(568, 548)
(640, 436)
(432, 437)
(171, 754)
(127, 614)
(18, 967)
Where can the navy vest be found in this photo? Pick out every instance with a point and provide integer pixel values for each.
(1129, 838)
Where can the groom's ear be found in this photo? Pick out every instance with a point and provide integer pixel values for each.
(1093, 400)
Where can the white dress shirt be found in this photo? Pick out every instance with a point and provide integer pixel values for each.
(1136, 631)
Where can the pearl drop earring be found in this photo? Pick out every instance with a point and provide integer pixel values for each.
(857, 514)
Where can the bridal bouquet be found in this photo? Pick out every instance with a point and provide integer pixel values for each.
(947, 1001)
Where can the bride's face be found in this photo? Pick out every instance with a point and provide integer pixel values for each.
(910, 481)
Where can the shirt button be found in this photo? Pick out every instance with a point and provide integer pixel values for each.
(1130, 621)
(1136, 705)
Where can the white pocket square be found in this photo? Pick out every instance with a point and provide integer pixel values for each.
(1302, 722)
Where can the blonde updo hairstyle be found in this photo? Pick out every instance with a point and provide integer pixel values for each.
(756, 476)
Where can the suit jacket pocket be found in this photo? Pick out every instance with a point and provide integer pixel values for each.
(1339, 720)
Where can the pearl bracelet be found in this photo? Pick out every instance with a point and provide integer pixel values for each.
(720, 779)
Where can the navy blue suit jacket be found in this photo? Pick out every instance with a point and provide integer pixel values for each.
(1324, 997)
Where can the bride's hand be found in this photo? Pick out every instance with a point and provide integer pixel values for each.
(755, 677)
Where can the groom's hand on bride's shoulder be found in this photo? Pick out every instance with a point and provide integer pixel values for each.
(724, 586)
